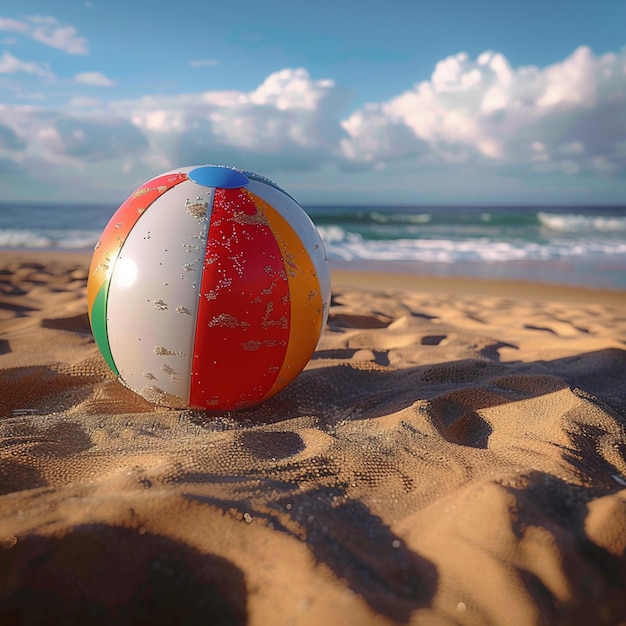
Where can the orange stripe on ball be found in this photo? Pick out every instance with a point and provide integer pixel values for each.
(306, 301)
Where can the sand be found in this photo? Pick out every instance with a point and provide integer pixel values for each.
(454, 453)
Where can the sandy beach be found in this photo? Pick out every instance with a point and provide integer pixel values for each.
(453, 453)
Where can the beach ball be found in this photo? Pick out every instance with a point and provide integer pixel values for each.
(209, 288)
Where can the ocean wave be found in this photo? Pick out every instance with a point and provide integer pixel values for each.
(15, 238)
(588, 220)
(334, 234)
(575, 223)
(343, 215)
(45, 239)
(400, 218)
(458, 251)
(416, 216)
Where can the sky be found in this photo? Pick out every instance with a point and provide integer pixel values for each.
(395, 102)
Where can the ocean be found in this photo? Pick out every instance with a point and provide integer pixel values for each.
(578, 246)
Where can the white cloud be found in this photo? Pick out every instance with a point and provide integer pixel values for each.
(564, 116)
(290, 89)
(10, 64)
(567, 119)
(290, 120)
(571, 82)
(14, 26)
(97, 79)
(372, 138)
(573, 147)
(72, 140)
(48, 31)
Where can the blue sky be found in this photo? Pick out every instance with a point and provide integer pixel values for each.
(413, 102)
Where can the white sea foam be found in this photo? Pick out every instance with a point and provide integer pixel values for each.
(335, 234)
(352, 247)
(75, 239)
(400, 218)
(574, 223)
(67, 239)
(13, 238)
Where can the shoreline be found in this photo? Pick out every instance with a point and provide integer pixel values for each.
(379, 279)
